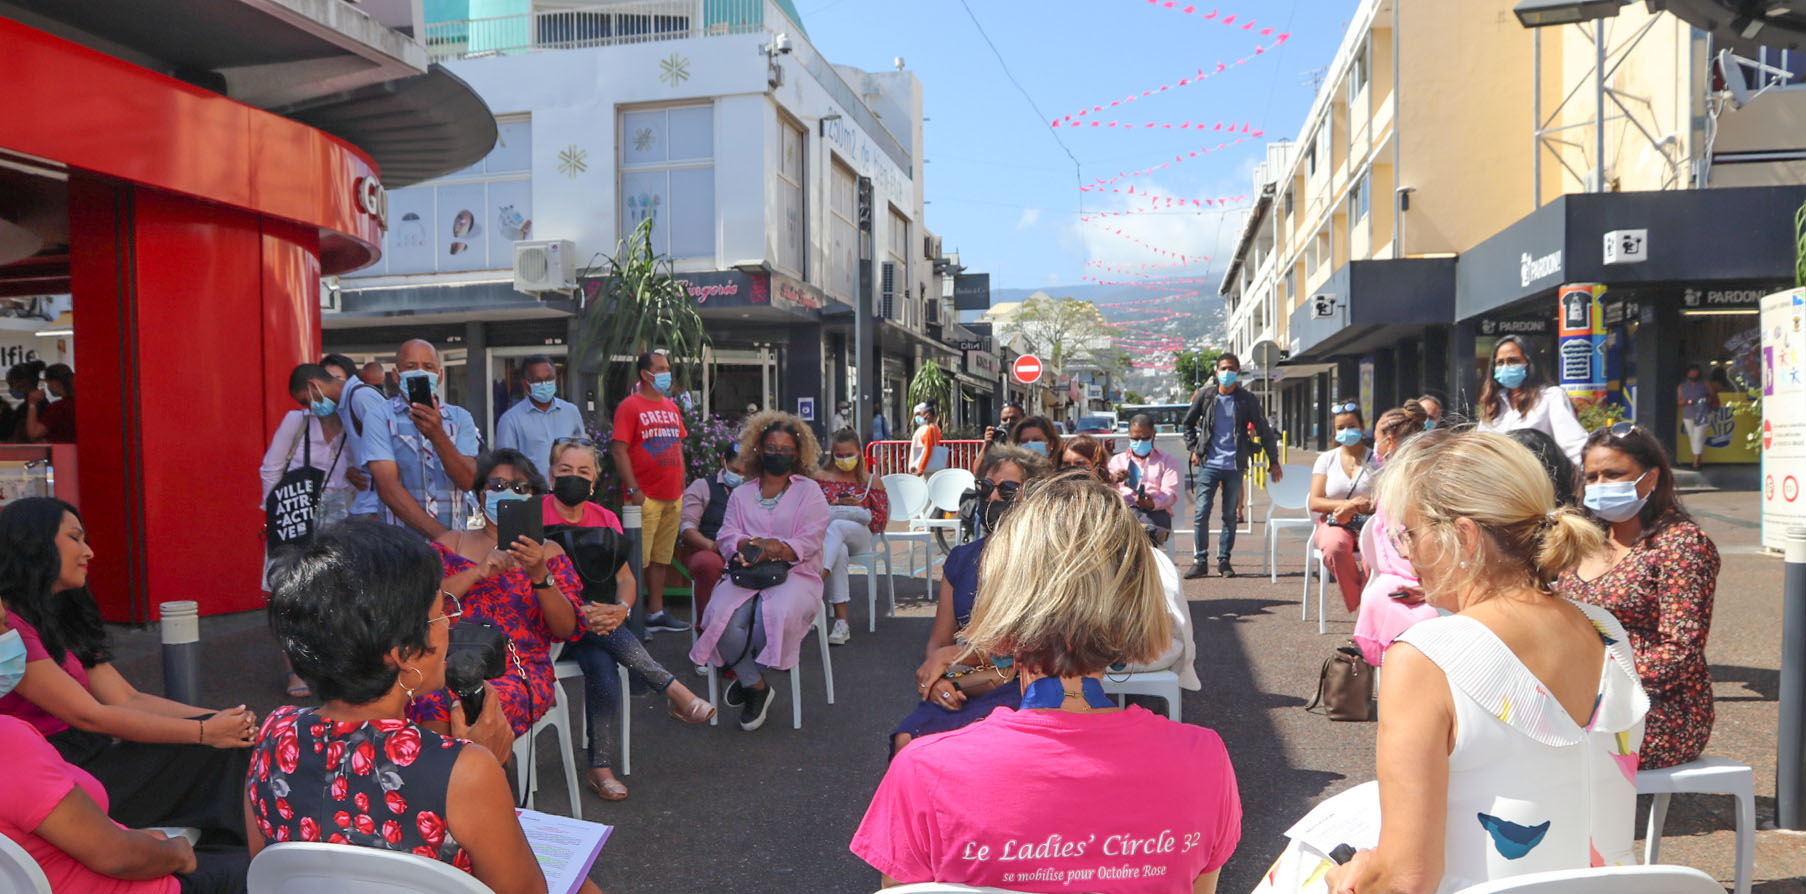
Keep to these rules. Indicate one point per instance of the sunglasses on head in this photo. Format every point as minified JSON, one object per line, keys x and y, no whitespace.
{"x":1349,"y":407}
{"x":522,"y":487}
{"x":581,"y":442}
{"x":1620,"y":429}
{"x":1007,"y":490}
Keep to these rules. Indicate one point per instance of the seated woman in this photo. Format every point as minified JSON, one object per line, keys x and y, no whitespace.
{"x":529,"y":590}
{"x":1069,"y":587}
{"x":164,"y":763}
{"x":1341,"y":493}
{"x":1657,"y":574}
{"x":591,"y":536}
{"x":363,"y":617}
{"x":704,"y":506}
{"x":1509,"y":729}
{"x":860,"y":510}
{"x":1086,"y":454}
{"x":784,"y":519}
{"x":979,"y":685}
{"x":1037,"y":434}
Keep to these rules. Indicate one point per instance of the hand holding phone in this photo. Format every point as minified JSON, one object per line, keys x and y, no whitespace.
{"x":418,"y":391}
{"x":515,"y":519}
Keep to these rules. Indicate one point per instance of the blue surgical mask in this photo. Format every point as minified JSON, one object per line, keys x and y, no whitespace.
{"x":1036,"y":446}
{"x":12,"y":661}
{"x":1228,"y":377}
{"x":1429,"y":424}
{"x":323,"y":407}
{"x":1141,"y":446}
{"x":1511,"y":375}
{"x":1615,"y":501}
{"x":492,"y":503}
{"x":662,"y":381}
{"x":1348,"y":437}
{"x":542,"y":392}
{"x":920,"y":420}
{"x":732,"y":479}
{"x":432,"y":379}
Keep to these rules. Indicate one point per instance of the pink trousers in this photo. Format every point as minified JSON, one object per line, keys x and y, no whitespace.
{"x":1338,"y":546}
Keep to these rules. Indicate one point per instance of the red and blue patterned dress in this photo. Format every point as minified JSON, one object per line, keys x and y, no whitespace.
{"x":377,"y":783}
{"x":507,"y":601}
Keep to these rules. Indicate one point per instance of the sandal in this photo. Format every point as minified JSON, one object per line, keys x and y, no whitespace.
{"x":699,"y":711}
{"x":297,"y":687}
{"x":609,"y":789}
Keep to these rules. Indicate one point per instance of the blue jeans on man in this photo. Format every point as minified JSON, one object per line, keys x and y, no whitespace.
{"x":1209,"y":478}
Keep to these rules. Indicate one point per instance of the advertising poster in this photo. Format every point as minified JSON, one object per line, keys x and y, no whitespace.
{"x":1783,"y":414}
{"x":459,"y":225}
{"x":1580,"y":341}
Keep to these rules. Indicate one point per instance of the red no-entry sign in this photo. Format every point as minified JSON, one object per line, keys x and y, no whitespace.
{"x":1027,"y":369}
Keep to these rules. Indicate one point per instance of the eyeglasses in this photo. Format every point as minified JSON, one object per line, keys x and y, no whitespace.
{"x":1400,"y":537}
{"x":1349,"y":407}
{"x":1005,"y":490}
{"x":519,"y":486}
{"x":457,"y":610}
{"x":581,"y":442}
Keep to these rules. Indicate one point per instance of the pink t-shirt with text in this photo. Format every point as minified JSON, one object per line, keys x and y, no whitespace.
{"x":18,"y":705}
{"x":1126,"y":802}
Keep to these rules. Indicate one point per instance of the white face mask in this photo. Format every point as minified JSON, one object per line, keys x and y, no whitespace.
{"x":1616,"y":501}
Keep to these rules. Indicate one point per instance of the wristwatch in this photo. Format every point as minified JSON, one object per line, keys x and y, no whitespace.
{"x":633,"y":490}
{"x":543,"y":583}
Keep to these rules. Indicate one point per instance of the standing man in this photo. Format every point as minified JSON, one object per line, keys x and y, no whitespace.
{"x":1224,"y":413}
{"x":841,"y":417}
{"x":926,"y":438}
{"x":421,"y":457}
{"x":531,"y":425}
{"x":648,"y":450}
{"x":1006,"y":423}
{"x":880,"y":425}
{"x":1148,"y":480}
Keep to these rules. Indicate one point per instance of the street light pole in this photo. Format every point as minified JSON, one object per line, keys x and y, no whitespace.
{"x":1599,"y":105}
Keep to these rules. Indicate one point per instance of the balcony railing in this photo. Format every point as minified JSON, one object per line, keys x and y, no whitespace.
{"x":601,"y":25}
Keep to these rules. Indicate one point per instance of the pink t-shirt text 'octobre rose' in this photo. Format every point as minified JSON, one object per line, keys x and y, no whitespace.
{"x":1126,"y":802}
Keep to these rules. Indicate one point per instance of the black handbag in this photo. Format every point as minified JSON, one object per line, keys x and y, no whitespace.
{"x":291,"y":511}
{"x":755,"y":572}
{"x":478,"y":652}
{"x":597,"y":553}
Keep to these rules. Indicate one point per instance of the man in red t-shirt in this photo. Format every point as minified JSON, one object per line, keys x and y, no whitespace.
{"x":648,"y":450}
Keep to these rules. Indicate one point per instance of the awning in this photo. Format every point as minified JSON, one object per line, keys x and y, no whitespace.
{"x":1371,"y":304}
{"x":414,"y":128}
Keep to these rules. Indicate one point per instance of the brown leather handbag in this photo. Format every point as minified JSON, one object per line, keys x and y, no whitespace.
{"x":1345,"y":685}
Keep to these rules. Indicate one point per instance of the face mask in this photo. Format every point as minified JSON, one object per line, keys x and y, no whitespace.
{"x":846,"y":463}
{"x":493,"y":501}
{"x":12,"y":661}
{"x":1228,"y":377}
{"x":1348,"y":437}
{"x":542,"y":392}
{"x":1429,"y":424}
{"x":920,"y":420}
{"x":1615,"y":501}
{"x":323,"y":407}
{"x":1511,"y":375}
{"x":1035,"y":447}
{"x":432,"y":379}
{"x":17,"y":394}
{"x":995,"y":510}
{"x":1140,"y":447}
{"x":732,"y":479}
{"x":662,"y":382}
{"x":571,"y":490}
{"x":776,"y":463}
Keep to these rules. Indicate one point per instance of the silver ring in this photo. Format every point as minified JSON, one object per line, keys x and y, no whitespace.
{"x":946,"y":695}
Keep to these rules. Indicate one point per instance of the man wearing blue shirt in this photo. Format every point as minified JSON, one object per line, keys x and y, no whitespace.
{"x":421,"y":458}
{"x":1216,"y":433}
{"x":532,"y":425}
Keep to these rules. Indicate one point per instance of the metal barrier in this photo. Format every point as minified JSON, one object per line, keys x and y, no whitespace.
{"x":892,"y":457}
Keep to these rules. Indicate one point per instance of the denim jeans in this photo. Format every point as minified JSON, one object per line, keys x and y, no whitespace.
{"x":597,"y":656}
{"x":1205,"y":494}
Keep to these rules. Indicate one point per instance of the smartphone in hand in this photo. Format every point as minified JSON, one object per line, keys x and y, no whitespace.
{"x":515,"y":519}
{"x":418,"y":391}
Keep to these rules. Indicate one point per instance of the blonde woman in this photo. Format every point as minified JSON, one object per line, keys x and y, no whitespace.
{"x":1068,"y":782}
{"x":1509,"y":730}
{"x":782,"y":517}
{"x":861,"y":511}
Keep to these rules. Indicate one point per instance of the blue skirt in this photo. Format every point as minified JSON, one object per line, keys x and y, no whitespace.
{"x":929,"y":719}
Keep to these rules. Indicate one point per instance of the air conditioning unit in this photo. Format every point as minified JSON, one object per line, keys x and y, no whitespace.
{"x":931,"y":247}
{"x":548,"y":266}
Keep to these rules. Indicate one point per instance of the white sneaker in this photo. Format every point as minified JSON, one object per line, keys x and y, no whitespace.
{"x":840,"y":634}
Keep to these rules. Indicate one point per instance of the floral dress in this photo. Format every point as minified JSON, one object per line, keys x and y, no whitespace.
{"x":378,"y":783}
{"x":876,"y":501}
{"x":1661,"y":591}
{"x":508,"y":602}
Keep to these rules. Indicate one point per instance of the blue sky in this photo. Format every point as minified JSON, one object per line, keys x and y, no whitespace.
{"x":1005,"y":194}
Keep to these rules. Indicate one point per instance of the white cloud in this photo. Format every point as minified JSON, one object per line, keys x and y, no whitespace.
{"x":1053,"y":279}
{"x":1030,"y":216}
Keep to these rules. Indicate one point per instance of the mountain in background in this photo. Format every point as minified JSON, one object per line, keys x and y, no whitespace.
{"x":1201,"y":321}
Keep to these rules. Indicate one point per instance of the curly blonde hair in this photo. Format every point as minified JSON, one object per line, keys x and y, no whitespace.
{"x":757,"y":426}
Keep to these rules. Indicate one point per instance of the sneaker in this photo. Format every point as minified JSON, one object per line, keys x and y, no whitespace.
{"x":758,"y":704}
{"x":1198,"y":569}
{"x":1224,"y":569}
{"x":735,"y":696}
{"x":840,"y":634}
{"x":664,"y":621}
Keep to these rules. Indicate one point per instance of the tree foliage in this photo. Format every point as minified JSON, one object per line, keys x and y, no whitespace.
{"x":639,"y":305}
{"x":1193,"y":368}
{"x":1060,"y":326}
{"x":930,"y":385}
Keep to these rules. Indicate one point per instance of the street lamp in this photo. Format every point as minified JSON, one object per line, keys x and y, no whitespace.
{"x":1543,"y":13}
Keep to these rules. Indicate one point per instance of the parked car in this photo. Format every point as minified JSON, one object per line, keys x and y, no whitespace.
{"x":1101,"y":427}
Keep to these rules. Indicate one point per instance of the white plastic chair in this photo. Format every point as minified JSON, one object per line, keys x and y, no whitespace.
{"x":1603,"y":880}
{"x":868,"y":563}
{"x":796,"y":674}
{"x":1711,"y":776}
{"x":1290,"y":494}
{"x":558,"y":719}
{"x":1314,"y":555}
{"x":567,"y":668}
{"x":309,"y":867}
{"x":19,"y":873}
{"x":909,"y":502}
{"x":1160,"y":684}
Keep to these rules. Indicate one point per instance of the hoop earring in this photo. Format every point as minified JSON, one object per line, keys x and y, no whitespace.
{"x":419,"y":678}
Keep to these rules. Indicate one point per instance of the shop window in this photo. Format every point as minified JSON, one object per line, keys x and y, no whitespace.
{"x":843,"y":233}
{"x":466,"y":220}
{"x":668,"y":177}
{"x":792,"y":144}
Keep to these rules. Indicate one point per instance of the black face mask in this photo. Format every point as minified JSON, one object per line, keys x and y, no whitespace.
{"x":995,"y":510}
{"x":571,"y":490}
{"x":776,"y":463}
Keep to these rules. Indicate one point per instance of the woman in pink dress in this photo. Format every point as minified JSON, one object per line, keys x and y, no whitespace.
{"x":780,"y":517}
